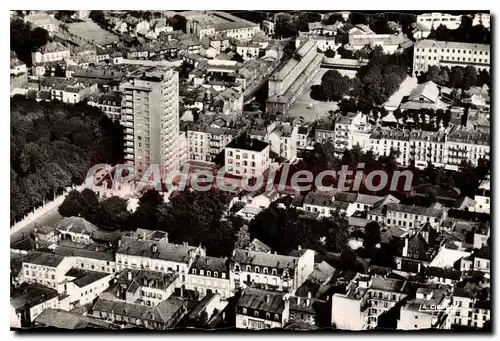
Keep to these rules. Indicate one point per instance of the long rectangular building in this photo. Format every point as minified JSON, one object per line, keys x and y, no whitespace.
{"x":447,"y":53}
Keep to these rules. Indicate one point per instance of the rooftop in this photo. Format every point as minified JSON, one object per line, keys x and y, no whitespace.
{"x":43,"y":258}
{"x":30,"y":295}
{"x":67,"y":320}
{"x":154,"y":249}
{"x":271,"y":260}
{"x":248,"y":144}
{"x":82,"y":277}
{"x":262,"y":300}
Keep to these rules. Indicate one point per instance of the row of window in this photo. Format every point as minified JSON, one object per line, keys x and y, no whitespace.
{"x":480,"y":60}
{"x":453,"y":51}
{"x":208,"y":273}
{"x":256,"y":269}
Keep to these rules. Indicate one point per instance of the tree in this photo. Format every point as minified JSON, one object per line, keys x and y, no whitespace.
{"x":483,"y":78}
{"x":456,"y":77}
{"x":470,"y":77}
{"x":71,"y":206}
{"x":348,"y":258}
{"x":372,"y":235}
{"x":115,"y":213}
{"x":334,"y":86}
{"x":329,"y":53}
{"x":243,"y":236}
{"x":333,"y":18}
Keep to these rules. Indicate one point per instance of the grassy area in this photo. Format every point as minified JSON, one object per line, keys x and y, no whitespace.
{"x":90,"y":31}
{"x":319,"y":109}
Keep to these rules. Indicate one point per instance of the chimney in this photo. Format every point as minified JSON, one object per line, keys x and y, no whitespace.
{"x":206,"y":261}
{"x":308,"y":302}
{"x":298,"y":300}
{"x":299,"y":247}
{"x":119,"y":242}
{"x":144,"y":235}
{"x":309,"y":295}
{"x":129,"y":275}
{"x":267,"y":298}
{"x":154,"y":248}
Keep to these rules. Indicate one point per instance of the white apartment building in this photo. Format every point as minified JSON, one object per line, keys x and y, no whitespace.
{"x":367,"y":297}
{"x":247,"y":157}
{"x":283,"y":141}
{"x":466,"y":145}
{"x":45,"y":268}
{"x":83,"y":286}
{"x":447,"y":53}
{"x":248,"y":50}
{"x":380,"y":143}
{"x":150,"y":116}
{"x":50,"y":52}
{"x":259,"y":309}
{"x":88,"y":258}
{"x":418,"y":313}
{"x":468,"y":311}
{"x":351,"y":130}
{"x":269,"y":271}
{"x":209,"y":275}
{"x":157,"y":255}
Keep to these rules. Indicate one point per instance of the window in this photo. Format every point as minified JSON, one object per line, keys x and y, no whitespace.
{"x":248,"y":268}
{"x":201,"y":272}
{"x":209,"y":273}
{"x":193,"y":271}
{"x":257,"y":270}
{"x":216,"y":274}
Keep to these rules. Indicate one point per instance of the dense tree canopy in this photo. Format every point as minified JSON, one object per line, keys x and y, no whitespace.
{"x":284,"y":229}
{"x":25,"y":39}
{"x":53,"y":146}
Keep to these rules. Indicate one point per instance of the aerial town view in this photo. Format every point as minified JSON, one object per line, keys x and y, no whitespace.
{"x":250,"y":170}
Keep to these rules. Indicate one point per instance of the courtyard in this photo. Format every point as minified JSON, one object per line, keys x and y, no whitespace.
{"x":319,"y":109}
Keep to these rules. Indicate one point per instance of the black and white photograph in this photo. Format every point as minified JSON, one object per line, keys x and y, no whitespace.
{"x":250,"y":170}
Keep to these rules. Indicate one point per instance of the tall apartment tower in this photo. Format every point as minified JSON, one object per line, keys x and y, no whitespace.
{"x":150,"y":108}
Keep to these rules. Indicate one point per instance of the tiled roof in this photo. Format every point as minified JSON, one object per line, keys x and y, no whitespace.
{"x":165,"y":251}
{"x":262,"y":300}
{"x":210,"y":263}
{"x":43,"y":258}
{"x":270,"y":260}
{"x":67,"y":320}
{"x":30,"y":295}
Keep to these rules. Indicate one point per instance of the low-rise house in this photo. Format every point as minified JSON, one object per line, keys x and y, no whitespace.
{"x":259,"y":309}
{"x":28,"y":301}
{"x":73,"y":93}
{"x":109,"y":103}
{"x":248,"y":50}
{"x":163,"y":316}
{"x":52,"y":51}
{"x":83,"y":286}
{"x":61,"y":319}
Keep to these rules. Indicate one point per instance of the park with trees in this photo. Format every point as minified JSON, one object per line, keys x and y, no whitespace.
{"x":52,"y":147}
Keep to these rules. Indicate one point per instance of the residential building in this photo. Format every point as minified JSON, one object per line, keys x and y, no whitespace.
{"x":83,"y":286}
{"x":422,"y":312}
{"x":270,"y":271}
{"x":366,"y":298}
{"x":390,"y":43}
{"x":43,"y":20}
{"x":145,"y":287}
{"x":150,"y":116}
{"x":436,"y":19}
{"x":482,"y":198}
{"x":58,"y":318}
{"x":45,"y":268}
{"x":413,"y":217}
{"x":248,"y":50}
{"x":268,"y":27}
{"x":91,"y":257}
{"x":28,"y":301}
{"x":246,"y":157}
{"x":209,"y":275}
{"x":50,"y":52}
{"x":448,"y":53}
{"x":466,"y":146}
{"x":110,"y":103}
{"x":136,"y":253}
{"x":259,"y":309}
{"x":73,"y":93}
{"x":116,"y":310}
{"x":468,"y":310}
